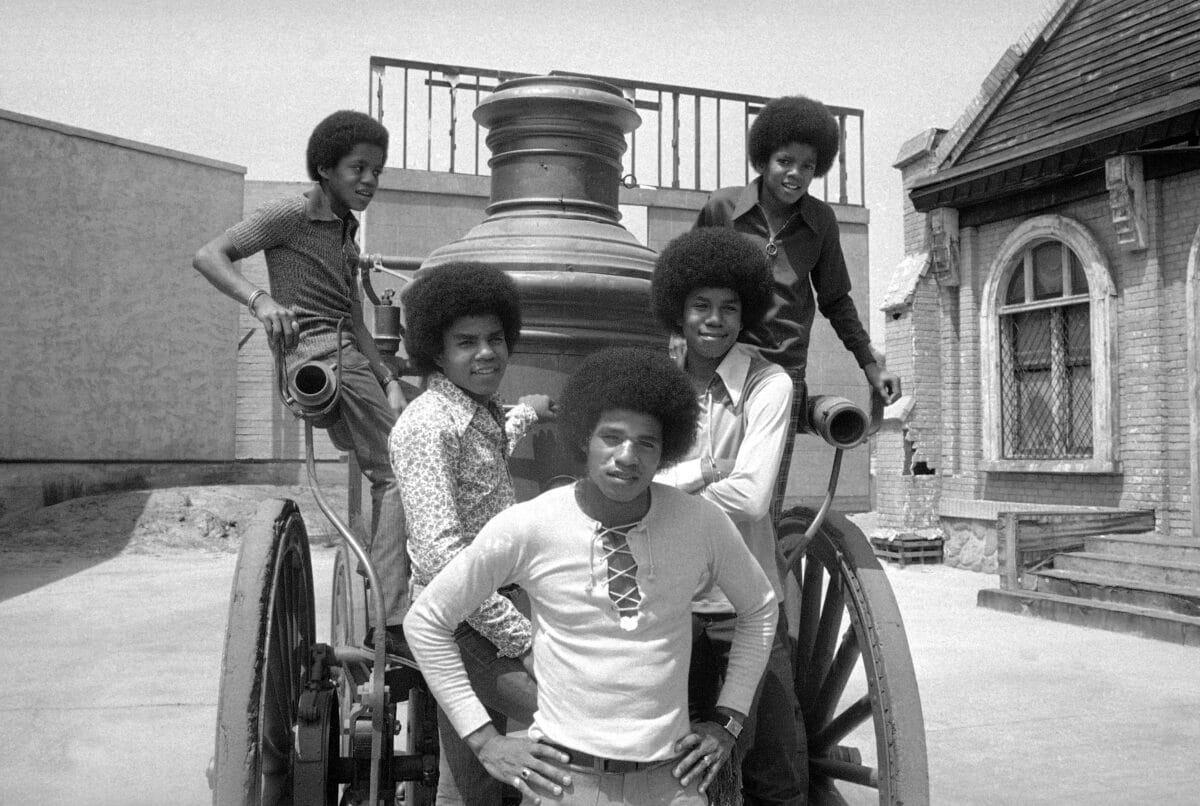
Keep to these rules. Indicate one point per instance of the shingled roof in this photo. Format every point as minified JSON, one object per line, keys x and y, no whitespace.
{"x":1092,"y":79}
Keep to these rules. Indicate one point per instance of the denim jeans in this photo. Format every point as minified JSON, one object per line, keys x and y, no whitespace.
{"x":508,"y":692}
{"x":773,"y":744}
{"x":364,"y":422}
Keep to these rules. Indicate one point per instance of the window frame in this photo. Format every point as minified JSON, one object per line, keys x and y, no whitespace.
{"x":1101,"y":298}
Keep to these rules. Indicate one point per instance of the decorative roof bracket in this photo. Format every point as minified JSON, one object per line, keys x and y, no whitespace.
{"x":943,"y":245}
{"x":1127,"y":200}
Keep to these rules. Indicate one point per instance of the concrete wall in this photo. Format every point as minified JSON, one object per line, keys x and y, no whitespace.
{"x":114,"y":349}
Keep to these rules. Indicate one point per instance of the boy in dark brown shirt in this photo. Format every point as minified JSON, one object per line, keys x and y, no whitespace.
{"x":793,"y":140}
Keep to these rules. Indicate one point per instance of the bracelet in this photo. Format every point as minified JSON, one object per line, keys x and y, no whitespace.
{"x":254,"y":298}
{"x":716,"y":472}
{"x":386,"y":379}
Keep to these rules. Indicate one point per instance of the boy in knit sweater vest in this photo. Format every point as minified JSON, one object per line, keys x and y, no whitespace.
{"x":312,"y":258}
{"x":610,"y":565}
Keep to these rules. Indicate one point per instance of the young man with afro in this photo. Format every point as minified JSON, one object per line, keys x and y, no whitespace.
{"x":610,"y":565}
{"x":793,"y":140}
{"x":708,"y":286}
{"x":449,"y":451}
{"x":312,"y":256}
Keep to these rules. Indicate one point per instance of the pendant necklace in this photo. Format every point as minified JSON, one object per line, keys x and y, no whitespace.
{"x":772,"y":247}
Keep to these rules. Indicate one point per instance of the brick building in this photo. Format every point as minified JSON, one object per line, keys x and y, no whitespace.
{"x":1045,"y":315}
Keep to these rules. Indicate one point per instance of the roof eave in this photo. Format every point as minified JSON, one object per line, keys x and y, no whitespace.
{"x":1074,"y":152}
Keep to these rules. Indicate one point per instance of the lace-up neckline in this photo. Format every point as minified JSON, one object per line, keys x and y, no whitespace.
{"x":622,"y":570}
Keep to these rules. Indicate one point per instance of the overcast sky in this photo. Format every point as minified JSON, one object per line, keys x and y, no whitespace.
{"x":245,"y":81}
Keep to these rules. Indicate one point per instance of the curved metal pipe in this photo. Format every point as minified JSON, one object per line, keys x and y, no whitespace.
{"x":843,"y":425}
{"x":380,"y":658}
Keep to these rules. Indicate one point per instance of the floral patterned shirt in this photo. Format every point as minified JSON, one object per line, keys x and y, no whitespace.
{"x":450,"y":457}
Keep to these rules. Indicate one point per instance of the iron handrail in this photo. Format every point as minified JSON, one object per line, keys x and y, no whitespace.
{"x":674,"y":159}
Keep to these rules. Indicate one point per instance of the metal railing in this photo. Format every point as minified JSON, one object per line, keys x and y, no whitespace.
{"x":690,"y":138}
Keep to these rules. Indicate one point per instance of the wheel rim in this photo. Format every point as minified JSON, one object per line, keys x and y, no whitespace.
{"x":285,"y":667}
{"x":853,"y":672}
{"x":347,"y":626}
{"x":269,"y":636}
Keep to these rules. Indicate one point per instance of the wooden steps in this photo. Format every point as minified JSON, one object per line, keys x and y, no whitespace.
{"x":1135,"y":583}
{"x":1144,"y":621}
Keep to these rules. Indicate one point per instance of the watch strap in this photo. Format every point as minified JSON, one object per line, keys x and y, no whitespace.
{"x":731,"y":724}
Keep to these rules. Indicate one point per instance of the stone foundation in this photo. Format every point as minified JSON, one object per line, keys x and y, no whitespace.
{"x":970,"y":543}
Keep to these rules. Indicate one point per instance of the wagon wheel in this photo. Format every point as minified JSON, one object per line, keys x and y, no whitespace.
{"x":853,"y":671}
{"x":348,"y":613}
{"x":268,"y":638}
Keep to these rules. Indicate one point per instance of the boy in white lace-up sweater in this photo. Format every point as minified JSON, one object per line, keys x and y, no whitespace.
{"x":610,"y":565}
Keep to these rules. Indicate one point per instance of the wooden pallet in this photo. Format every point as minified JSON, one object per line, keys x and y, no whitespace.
{"x":921,"y":551}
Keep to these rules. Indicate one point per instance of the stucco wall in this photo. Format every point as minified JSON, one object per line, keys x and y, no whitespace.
{"x":114,"y":348}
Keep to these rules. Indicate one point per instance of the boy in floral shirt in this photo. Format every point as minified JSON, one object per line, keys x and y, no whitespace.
{"x":449,"y":451}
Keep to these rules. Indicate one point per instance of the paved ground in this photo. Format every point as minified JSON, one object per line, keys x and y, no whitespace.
{"x":111,"y":666}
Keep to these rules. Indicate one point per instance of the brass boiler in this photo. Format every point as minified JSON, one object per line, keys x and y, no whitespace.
{"x":554,"y":226}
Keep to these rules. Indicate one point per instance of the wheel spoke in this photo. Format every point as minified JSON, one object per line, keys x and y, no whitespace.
{"x":837,"y":677}
{"x":847,"y":771}
{"x":840,"y":726}
{"x":810,"y":600}
{"x":823,"y":650}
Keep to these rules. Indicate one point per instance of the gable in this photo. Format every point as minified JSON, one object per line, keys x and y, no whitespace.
{"x":1106,"y":57}
{"x":1096,"y":79}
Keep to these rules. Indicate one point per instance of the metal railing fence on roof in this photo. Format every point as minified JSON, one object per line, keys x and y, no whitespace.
{"x":690,"y":138}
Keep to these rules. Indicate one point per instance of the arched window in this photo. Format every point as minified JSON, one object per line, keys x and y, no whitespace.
{"x":1047,"y":332}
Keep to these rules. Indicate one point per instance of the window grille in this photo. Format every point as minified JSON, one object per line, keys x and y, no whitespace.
{"x":1045,"y":357}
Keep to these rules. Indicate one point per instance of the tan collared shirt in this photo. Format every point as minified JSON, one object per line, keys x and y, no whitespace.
{"x":744,"y":417}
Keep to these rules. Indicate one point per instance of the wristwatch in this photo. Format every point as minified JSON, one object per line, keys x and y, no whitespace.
{"x":387,"y":378}
{"x":731,"y":724}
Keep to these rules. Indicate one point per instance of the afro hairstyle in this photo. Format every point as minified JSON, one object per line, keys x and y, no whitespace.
{"x":439,"y":297}
{"x":711,"y":257}
{"x":633,"y":378}
{"x":337,"y":135}
{"x":793,"y":119}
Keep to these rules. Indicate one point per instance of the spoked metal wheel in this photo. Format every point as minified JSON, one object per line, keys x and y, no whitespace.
{"x":347,"y":627}
{"x":853,"y":671}
{"x":348,"y":614}
{"x":268,"y":641}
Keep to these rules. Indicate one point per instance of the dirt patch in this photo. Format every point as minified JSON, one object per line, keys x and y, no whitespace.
{"x":156,"y":521}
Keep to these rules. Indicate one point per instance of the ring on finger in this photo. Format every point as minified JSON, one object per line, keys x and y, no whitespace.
{"x":525,"y":773}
